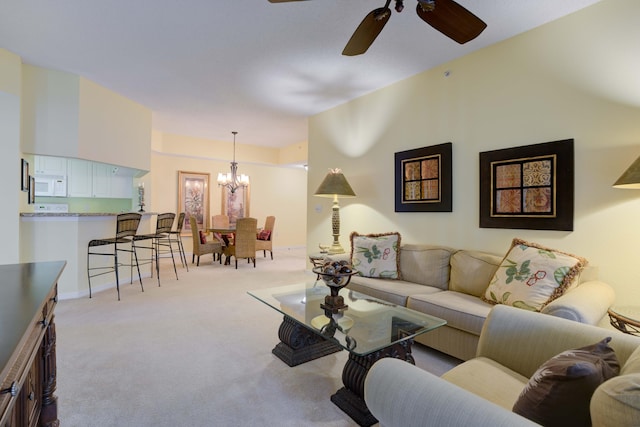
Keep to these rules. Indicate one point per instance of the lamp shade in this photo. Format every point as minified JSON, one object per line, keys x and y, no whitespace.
{"x":631,"y":177}
{"x":335,"y":184}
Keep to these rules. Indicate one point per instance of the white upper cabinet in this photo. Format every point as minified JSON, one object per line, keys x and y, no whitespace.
{"x":79,"y":178}
{"x":90,"y":179}
{"x":101,"y":180}
{"x":48,"y":165}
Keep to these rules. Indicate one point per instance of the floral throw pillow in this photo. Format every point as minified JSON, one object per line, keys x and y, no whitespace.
{"x":376,"y":255}
{"x":531,"y":276}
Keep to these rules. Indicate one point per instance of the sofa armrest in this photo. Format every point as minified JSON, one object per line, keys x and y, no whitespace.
{"x":399,"y":394}
{"x":586,"y":303}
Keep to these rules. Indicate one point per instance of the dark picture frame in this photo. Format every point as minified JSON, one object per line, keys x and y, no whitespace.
{"x":32,"y":190}
{"x":24,"y":180}
{"x":528,"y":187}
{"x":423,"y":179}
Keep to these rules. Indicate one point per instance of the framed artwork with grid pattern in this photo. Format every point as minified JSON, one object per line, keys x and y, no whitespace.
{"x":528,"y":187}
{"x":423,"y":179}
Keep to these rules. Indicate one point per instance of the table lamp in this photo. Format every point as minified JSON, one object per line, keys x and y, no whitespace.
{"x":631,"y":177}
{"x":335,"y":185}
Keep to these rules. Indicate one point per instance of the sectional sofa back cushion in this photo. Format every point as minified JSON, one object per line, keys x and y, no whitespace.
{"x":471,"y":271}
{"x":426,"y":265}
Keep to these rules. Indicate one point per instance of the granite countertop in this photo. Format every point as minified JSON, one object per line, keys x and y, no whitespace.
{"x":75,"y":214}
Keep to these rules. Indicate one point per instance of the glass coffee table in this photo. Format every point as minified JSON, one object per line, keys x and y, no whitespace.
{"x":369,"y":329}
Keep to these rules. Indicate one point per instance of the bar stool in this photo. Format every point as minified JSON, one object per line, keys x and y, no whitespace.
{"x":159,"y":240}
{"x":177,"y":233}
{"x":126,"y":227}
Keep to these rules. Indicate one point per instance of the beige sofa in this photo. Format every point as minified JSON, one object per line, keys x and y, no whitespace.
{"x":483,"y":390}
{"x":448,"y":283}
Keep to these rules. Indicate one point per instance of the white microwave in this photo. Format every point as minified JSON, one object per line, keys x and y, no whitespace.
{"x":51,"y":185}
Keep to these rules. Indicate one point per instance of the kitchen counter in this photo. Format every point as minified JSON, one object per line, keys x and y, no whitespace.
{"x":76,"y":214}
{"x":51,"y":236}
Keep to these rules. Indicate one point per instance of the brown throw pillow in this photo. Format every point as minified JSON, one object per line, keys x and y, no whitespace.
{"x":264,"y":234}
{"x":559,"y":392}
{"x":203,"y":238}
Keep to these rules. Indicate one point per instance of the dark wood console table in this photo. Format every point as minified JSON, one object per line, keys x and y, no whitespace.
{"x":28,"y":296}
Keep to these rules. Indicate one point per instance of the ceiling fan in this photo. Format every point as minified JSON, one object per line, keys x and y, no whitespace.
{"x":446,"y":16}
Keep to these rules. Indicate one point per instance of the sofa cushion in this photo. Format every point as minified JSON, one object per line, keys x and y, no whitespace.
{"x":426,"y":264}
{"x":559,"y":392}
{"x":471,"y":271}
{"x":461,"y":311}
{"x":616,"y":402}
{"x":393,"y":291}
{"x":376,"y":255}
{"x":531,"y":276}
{"x":488,"y":379}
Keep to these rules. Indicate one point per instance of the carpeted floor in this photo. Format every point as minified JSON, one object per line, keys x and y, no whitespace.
{"x":195,"y":352}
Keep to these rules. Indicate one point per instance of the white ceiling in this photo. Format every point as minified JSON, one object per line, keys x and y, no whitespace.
{"x":207,"y":67}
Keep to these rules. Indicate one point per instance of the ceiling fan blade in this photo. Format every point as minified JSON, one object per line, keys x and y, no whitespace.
{"x":283,"y":1}
{"x":451,"y":19}
{"x":367,"y":31}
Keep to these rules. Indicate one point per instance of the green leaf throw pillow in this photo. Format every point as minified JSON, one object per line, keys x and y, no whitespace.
{"x":376,"y":255}
{"x":531,"y":276}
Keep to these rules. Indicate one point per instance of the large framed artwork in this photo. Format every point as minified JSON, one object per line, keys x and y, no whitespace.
{"x":528,"y":187}
{"x":423,"y":179}
{"x":235,"y":205}
{"x":193,"y":198}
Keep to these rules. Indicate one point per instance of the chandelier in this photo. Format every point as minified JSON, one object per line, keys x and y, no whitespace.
{"x":232,"y":180}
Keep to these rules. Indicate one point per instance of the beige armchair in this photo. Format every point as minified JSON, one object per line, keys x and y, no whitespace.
{"x":482,"y":391}
{"x":244,"y":245}
{"x":267,"y":245}
{"x":200,"y":249}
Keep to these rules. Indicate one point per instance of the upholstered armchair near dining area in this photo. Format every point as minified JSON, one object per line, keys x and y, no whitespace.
{"x":201,"y":247}
{"x":264,"y":241}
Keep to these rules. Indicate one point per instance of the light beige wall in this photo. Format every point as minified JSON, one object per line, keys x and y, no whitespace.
{"x":223,"y":150}
{"x":50,"y":112}
{"x":275,"y":190}
{"x":69,"y":116}
{"x":112,"y":129}
{"x":13,"y":198}
{"x":558,"y":81}
{"x":294,"y":154}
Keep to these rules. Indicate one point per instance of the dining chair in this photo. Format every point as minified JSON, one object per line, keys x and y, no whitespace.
{"x":126,"y":227}
{"x":264,"y":241}
{"x":244,"y":245}
{"x":177,"y":235}
{"x":200,"y":245}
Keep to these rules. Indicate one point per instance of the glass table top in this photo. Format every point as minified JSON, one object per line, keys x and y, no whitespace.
{"x":367,"y":325}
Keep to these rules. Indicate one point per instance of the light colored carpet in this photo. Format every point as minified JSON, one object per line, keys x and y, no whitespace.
{"x":195,"y":352}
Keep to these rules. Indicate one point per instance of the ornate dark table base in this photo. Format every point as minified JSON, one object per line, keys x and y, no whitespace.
{"x":350,"y":398}
{"x":300,"y":345}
